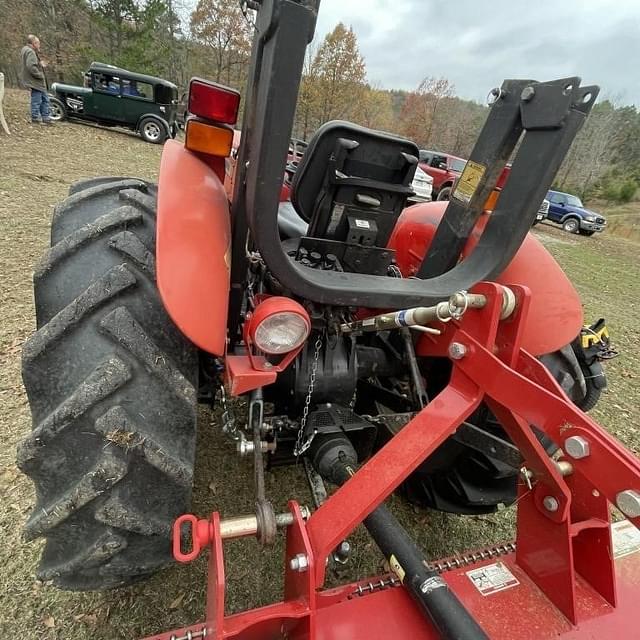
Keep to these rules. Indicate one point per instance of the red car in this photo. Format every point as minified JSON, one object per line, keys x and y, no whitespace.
{"x":445,"y":169}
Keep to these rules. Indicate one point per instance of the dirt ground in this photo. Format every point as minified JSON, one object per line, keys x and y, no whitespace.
{"x":37,"y":165}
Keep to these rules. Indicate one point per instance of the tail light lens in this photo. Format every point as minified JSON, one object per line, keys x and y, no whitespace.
{"x":279,"y":325}
{"x":214,"y":140}
{"x":213,"y":101}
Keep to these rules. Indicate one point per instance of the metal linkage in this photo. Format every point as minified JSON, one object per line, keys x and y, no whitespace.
{"x":417,"y":317}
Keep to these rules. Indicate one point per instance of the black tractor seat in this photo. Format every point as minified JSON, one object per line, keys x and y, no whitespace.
{"x":290,"y":224}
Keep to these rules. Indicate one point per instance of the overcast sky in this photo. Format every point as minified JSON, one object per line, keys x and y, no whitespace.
{"x":476,"y":44}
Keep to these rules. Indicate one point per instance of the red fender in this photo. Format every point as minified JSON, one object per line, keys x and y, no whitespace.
{"x":193,"y":247}
{"x":555,"y":316}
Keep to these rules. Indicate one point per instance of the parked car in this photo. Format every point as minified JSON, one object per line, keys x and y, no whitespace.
{"x":567,"y":210}
{"x":183,"y":110}
{"x":543,"y":212}
{"x":423,"y":186}
{"x":445,"y":169}
{"x":116,"y":97}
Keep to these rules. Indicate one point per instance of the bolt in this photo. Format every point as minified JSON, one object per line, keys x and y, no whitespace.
{"x":267,"y":365}
{"x":245,"y":447}
{"x":629,"y":503}
{"x":528,"y":93}
{"x":342,"y":552}
{"x":299,"y":563}
{"x":577,"y":447}
{"x":494,"y":95}
{"x":550,"y":503}
{"x":457,"y":351}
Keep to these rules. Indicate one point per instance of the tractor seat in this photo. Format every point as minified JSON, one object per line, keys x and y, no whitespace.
{"x":290,"y":224}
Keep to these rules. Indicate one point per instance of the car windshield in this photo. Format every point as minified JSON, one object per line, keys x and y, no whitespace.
{"x":457,"y":165}
{"x":574,"y":201}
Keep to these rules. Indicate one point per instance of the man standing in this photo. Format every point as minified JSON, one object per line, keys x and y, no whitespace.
{"x":33,"y":78}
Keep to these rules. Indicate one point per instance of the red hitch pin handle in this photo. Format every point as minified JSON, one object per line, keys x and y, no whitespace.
{"x":201,"y":535}
{"x":230,"y":528}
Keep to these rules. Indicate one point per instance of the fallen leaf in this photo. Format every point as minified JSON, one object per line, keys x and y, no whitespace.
{"x":177,"y":602}
{"x":49,"y":622}
{"x":213,"y":488}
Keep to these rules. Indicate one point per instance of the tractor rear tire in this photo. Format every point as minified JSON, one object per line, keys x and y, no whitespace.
{"x":111,"y":384}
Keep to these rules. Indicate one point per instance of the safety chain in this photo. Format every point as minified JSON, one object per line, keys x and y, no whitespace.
{"x":441,"y":567}
{"x":191,"y":635}
{"x":229,"y":423}
{"x":378,"y":585}
{"x":301,"y":446}
{"x":464,"y":560}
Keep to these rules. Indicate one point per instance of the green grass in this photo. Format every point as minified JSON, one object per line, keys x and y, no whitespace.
{"x":36,"y":168}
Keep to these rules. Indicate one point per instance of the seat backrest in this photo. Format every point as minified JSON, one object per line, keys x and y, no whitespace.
{"x":353,"y":183}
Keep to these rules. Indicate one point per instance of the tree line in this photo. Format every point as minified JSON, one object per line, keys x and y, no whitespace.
{"x":178,"y":39}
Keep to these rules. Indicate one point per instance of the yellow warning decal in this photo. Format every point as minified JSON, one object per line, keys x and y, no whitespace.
{"x":396,"y":568}
{"x":469,"y":181}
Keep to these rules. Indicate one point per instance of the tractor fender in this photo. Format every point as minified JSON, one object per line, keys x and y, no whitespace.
{"x":555,"y":314}
{"x":160,"y":119}
{"x":193,"y":247}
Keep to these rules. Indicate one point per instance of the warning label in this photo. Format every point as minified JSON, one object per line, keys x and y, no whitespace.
{"x":626,"y":538}
{"x":469,"y":181}
{"x":492,"y":578}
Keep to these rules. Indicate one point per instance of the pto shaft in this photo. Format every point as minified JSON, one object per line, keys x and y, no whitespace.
{"x":335,"y":460}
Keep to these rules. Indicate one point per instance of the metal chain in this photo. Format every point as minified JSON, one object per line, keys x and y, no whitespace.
{"x":191,"y":635}
{"x":471,"y":558}
{"x":229,"y":423}
{"x":301,"y":446}
{"x":441,"y":567}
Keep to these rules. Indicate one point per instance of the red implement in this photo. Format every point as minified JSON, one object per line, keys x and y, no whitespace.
{"x":566,"y":578}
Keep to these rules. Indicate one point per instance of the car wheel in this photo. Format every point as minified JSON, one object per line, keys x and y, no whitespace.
{"x":57,"y":110}
{"x":571,"y":225}
{"x":444,"y":193}
{"x":152,"y":130}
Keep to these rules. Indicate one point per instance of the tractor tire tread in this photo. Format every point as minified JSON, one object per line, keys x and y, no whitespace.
{"x":112,"y":388}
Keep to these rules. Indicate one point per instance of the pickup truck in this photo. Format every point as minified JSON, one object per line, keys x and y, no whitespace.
{"x":445,"y":169}
{"x":568,"y":211}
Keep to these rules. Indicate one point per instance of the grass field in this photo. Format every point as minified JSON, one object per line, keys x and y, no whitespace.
{"x":37,"y":165}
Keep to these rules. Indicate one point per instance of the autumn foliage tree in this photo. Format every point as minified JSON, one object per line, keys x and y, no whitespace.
{"x":221,"y":26}
{"x":421,"y":106}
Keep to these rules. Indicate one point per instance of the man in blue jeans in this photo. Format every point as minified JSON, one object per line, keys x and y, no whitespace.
{"x":33,"y":78}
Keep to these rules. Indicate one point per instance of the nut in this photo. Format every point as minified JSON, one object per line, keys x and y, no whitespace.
{"x":299,"y":562}
{"x":342,"y":552}
{"x":577,"y":447}
{"x":629,"y":503}
{"x":457,"y":351}
{"x":528,"y":93}
{"x":550,"y":503}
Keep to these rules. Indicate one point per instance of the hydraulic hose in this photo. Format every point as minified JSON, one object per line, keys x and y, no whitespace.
{"x":335,"y":459}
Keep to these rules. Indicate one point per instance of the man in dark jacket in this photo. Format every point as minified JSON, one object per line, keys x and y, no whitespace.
{"x":33,"y":78}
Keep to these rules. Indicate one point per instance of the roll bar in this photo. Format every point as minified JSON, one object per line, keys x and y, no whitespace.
{"x":544,"y":117}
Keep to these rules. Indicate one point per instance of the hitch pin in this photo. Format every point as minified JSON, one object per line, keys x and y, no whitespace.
{"x":564,"y":467}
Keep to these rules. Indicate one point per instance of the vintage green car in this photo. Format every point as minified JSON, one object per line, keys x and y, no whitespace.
{"x":116,"y":97}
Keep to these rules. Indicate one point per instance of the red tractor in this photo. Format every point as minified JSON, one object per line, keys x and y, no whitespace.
{"x":389,"y":348}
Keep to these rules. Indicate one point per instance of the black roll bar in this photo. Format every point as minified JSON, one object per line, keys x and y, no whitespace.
{"x":543,"y":117}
